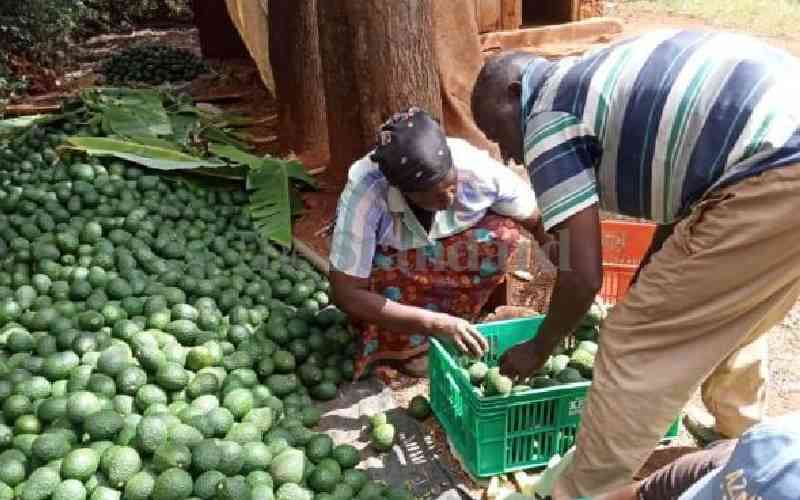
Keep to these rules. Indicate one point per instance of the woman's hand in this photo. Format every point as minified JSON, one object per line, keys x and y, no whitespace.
{"x":354,"y":297}
{"x":525,"y":359}
{"x":462,"y":333}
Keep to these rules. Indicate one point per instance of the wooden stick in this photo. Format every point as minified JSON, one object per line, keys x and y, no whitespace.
{"x":317,"y":171}
{"x":264,"y":140}
{"x":266,"y":119}
{"x":31,"y":109}
{"x":309,"y":253}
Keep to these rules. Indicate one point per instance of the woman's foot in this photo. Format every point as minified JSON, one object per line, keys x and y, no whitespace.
{"x":416,"y":367}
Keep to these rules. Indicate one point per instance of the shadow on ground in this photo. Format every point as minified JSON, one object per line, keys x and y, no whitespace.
{"x":414,"y":460}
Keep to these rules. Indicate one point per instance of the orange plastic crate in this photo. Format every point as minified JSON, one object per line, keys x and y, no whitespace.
{"x":624,"y":247}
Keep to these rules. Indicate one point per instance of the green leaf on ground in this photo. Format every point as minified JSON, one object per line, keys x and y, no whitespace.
{"x":294,"y":168}
{"x":183,"y":126}
{"x":270,"y":206}
{"x":216,"y":134}
{"x":151,"y":156}
{"x":11,"y":126}
{"x":130,"y":112}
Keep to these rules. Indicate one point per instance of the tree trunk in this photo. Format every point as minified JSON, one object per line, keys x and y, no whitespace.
{"x":341,"y":91}
{"x":512,"y":14}
{"x":395,"y":61}
{"x":219,"y":38}
{"x":295,"y":57}
{"x":458,"y":51}
{"x":378,"y":58}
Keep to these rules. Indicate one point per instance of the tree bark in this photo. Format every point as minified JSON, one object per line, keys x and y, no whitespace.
{"x":341,"y":91}
{"x":458,"y":51}
{"x":378,"y":58}
{"x":295,"y":58}
{"x":512,"y":14}
{"x":219,"y":38}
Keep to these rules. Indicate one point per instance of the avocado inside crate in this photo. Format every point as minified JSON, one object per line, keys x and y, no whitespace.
{"x":501,"y":434}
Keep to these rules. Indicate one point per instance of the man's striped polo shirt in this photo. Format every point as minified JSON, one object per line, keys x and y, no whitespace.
{"x":648,"y":126}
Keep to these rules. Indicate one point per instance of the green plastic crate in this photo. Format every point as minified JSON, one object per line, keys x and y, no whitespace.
{"x":501,"y":434}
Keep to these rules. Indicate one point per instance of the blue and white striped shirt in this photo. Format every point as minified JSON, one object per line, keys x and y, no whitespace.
{"x":649,"y":125}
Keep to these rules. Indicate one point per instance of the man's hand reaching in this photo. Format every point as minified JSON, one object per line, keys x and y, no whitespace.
{"x":525,"y":359}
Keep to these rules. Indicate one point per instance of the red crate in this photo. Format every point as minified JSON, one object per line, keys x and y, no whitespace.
{"x":624,"y":246}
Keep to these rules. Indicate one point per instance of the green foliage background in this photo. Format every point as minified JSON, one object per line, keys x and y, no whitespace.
{"x":41,"y":31}
{"x":102,"y":16}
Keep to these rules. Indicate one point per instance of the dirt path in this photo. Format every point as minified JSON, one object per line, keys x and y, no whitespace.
{"x":641,"y":19}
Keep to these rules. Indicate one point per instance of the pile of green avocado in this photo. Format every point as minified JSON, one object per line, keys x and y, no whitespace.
{"x":153,"y":64}
{"x":153,"y":346}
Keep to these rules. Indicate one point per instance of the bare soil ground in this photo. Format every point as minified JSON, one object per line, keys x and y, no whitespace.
{"x":640,"y":18}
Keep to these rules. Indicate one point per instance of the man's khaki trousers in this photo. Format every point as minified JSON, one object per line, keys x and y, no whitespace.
{"x":736,"y":392}
{"x":730,"y":271}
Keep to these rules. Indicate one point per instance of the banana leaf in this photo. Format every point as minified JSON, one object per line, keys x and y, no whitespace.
{"x":184,"y":124}
{"x":20,"y":122}
{"x":129,"y":112}
{"x":234,"y":154}
{"x":140,"y":120}
{"x":215,"y":134}
{"x":296,"y":200}
{"x":151,"y":156}
{"x":13,"y":126}
{"x":294,"y":169}
{"x":130,"y":118}
{"x":156,"y":142}
{"x":270,"y":205}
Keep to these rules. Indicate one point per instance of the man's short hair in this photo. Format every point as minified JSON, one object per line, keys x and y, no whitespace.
{"x":499,"y":70}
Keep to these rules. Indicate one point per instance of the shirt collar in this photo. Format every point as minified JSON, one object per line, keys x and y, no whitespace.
{"x":401,"y":211}
{"x":533,"y":79}
{"x":396,"y":201}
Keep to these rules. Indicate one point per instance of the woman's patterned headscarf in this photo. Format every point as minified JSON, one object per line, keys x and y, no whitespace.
{"x":412,"y":151}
